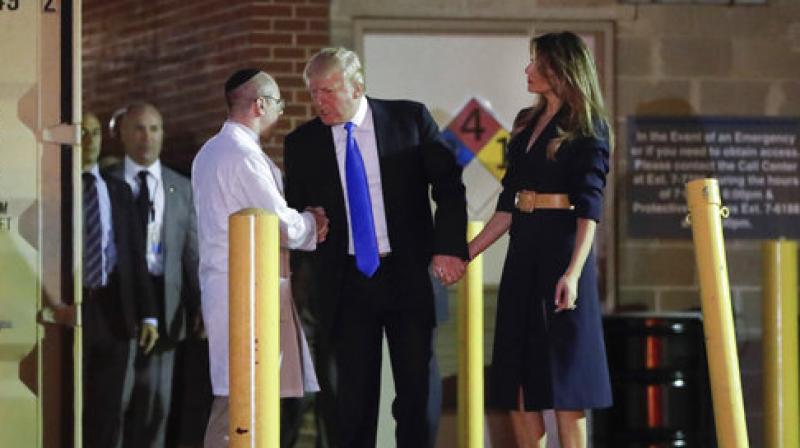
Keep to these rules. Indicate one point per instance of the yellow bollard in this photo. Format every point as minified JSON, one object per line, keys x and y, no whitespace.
{"x":470,"y":350}
{"x":780,"y":344}
{"x":723,"y":362}
{"x":254,"y":419}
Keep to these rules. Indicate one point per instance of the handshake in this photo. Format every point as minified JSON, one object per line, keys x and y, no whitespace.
{"x":322,"y":222}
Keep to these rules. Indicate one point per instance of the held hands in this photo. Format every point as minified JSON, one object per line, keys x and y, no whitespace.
{"x":448,"y":269}
{"x":148,"y":337}
{"x":566,"y":292}
{"x":322,"y":222}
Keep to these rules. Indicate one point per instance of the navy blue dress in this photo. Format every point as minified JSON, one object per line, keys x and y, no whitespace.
{"x":559,"y":359}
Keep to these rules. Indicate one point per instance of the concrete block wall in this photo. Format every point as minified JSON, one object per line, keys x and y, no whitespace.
{"x":702,"y":60}
{"x":177,"y":55}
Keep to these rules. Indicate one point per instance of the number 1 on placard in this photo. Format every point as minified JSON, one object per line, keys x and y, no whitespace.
{"x":503,"y":141}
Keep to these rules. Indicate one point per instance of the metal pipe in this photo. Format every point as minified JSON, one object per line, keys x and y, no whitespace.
{"x":470,"y":350}
{"x":253,"y":323}
{"x":780,"y":344}
{"x":705,"y":211}
{"x":77,"y":224}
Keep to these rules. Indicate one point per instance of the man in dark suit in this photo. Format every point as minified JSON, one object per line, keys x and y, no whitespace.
{"x":117,"y":297}
{"x":164,"y":200}
{"x":371,"y":164}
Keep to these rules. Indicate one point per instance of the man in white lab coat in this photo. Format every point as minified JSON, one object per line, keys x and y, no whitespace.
{"x":230,"y":173}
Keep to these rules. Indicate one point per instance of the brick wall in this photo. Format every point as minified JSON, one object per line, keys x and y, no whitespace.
{"x":177,"y":55}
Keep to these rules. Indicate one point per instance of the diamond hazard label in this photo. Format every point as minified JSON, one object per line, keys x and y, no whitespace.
{"x":474,"y":126}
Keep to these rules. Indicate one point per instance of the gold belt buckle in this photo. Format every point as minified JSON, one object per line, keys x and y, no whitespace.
{"x":525,"y":201}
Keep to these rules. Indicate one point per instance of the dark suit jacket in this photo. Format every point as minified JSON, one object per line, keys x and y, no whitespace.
{"x":179,"y":239}
{"x":129,"y":280}
{"x":414,"y":160}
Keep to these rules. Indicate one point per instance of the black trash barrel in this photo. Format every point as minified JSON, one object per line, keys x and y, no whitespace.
{"x":659,"y":378}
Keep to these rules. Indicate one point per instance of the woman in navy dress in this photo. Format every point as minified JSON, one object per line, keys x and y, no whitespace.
{"x":548,"y":348}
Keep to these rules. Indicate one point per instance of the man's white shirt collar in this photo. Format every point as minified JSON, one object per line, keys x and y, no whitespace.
{"x":361,"y":119}
{"x":249,"y":132}
{"x":94,"y":170}
{"x":132,"y":168}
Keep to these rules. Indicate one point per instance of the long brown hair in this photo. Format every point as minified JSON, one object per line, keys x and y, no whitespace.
{"x":569,"y":68}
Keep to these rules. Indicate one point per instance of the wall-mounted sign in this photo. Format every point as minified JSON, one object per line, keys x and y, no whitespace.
{"x":755,"y":159}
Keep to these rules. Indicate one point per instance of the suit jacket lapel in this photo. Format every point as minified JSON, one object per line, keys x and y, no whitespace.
{"x":328,"y":163}
{"x":168,"y":225}
{"x":116,"y":172}
{"x":381,"y":123}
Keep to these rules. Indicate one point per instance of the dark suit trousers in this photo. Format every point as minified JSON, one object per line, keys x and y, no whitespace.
{"x":370,"y":307}
{"x":148,"y":390}
{"x":105,"y":357}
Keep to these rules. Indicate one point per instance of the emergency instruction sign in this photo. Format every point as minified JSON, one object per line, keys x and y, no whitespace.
{"x":756,"y":161}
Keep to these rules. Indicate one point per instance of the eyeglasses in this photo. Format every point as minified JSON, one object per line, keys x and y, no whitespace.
{"x":278,"y":101}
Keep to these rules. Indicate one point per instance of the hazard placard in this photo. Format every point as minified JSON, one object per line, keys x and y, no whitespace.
{"x":474,"y":126}
{"x":476,"y":134}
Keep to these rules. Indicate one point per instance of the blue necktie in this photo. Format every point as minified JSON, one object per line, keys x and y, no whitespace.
{"x":362,"y":225}
{"x":93,"y":234}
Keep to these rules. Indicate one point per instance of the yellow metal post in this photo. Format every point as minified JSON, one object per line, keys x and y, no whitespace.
{"x":780,"y":344}
{"x":254,"y":418}
{"x":470,"y":350}
{"x":705,"y":208}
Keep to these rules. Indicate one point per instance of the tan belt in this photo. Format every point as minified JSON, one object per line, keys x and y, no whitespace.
{"x":527,"y":201}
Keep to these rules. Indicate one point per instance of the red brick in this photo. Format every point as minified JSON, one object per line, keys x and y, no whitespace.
{"x":319,"y":25}
{"x":287,"y":81}
{"x":305,"y":12}
{"x":288,"y":52}
{"x":260,"y":24}
{"x":312,"y":39}
{"x":290,"y":25}
{"x":272,"y":11}
{"x":270,"y":39}
{"x":299,"y":66}
{"x":276,"y":67}
{"x":296,"y":110}
{"x":302,"y":96}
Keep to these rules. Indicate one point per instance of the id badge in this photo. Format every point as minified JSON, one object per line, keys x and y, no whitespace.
{"x":154,"y":247}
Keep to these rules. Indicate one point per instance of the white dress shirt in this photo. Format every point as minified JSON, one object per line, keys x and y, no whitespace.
{"x":109,"y":251}
{"x":364,"y":132}
{"x":154,"y":250}
{"x":231,"y":173}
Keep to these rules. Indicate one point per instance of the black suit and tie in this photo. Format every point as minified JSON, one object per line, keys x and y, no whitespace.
{"x":351,"y":309}
{"x":113,"y":306}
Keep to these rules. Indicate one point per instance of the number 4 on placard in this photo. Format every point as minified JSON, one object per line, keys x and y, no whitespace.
{"x":472,"y":124}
